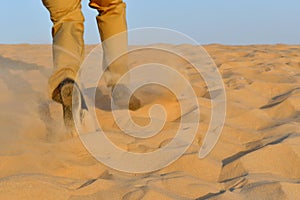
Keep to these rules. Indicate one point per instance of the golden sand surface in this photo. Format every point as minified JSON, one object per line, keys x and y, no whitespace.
{"x":257,"y":156}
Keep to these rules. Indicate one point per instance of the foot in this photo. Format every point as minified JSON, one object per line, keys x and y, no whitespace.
{"x":69,"y":95}
{"x":120,"y":94}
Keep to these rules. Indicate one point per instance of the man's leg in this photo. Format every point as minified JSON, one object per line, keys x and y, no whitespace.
{"x":68,"y":51}
{"x":68,"y":45}
{"x":113,"y":31}
{"x":112,"y":28}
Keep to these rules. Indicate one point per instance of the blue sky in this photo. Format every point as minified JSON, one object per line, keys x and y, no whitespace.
{"x":207,"y":21}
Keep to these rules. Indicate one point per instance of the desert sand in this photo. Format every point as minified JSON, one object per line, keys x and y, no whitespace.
{"x":257,"y":156}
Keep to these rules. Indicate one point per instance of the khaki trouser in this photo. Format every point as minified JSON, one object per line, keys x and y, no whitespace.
{"x":67,"y":33}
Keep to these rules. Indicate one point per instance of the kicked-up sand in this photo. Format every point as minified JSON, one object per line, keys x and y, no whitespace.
{"x":256,"y":157}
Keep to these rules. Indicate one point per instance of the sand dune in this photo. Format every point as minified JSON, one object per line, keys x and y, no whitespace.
{"x":257,"y":156}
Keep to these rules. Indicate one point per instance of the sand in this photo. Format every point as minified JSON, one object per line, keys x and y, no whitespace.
{"x":257,"y":156}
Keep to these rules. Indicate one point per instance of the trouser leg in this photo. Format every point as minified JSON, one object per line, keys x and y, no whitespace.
{"x":68,"y":44}
{"x":112,"y":27}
